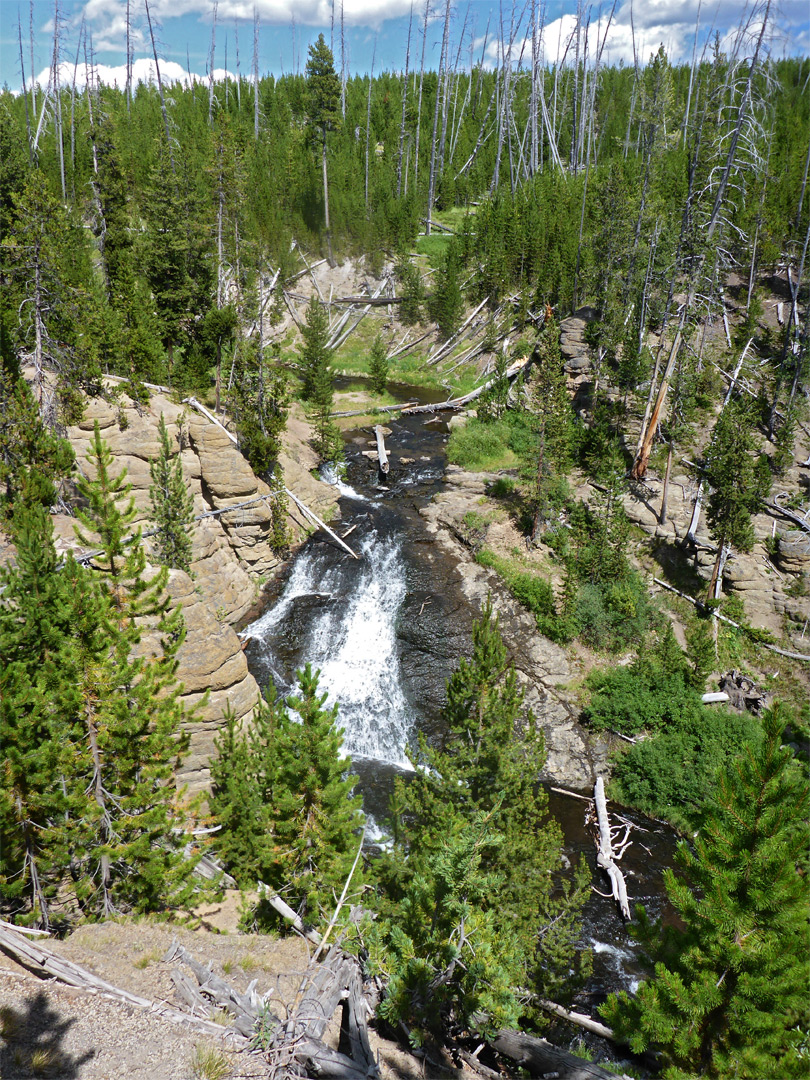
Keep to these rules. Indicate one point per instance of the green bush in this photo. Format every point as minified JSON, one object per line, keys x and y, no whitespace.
{"x":672,"y":775}
{"x":531,"y":590}
{"x":625,"y":701}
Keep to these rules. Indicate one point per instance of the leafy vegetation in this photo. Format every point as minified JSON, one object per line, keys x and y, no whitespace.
{"x":726,"y":998}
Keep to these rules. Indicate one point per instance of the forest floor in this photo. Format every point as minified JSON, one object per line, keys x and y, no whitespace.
{"x":53,"y":1031}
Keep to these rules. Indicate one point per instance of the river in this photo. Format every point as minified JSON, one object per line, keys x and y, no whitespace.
{"x":386,"y":631}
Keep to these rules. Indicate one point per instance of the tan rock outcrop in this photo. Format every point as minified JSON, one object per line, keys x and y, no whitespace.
{"x":231,"y":553}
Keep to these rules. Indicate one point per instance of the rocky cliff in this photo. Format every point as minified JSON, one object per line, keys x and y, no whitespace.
{"x":232,"y":557}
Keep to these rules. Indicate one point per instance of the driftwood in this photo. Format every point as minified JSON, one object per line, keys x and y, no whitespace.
{"x":296,"y":1048}
{"x":369,"y":301}
{"x":382,"y":453}
{"x":309,"y":513}
{"x":211,"y":992}
{"x":580,"y":1019}
{"x":42,"y":961}
{"x":724,"y":618}
{"x":540,"y":1058}
{"x":606,"y":857}
{"x":321,"y":524}
{"x":376,"y":409}
{"x":454,"y":404}
{"x":287,"y":913}
{"x":801,"y":522}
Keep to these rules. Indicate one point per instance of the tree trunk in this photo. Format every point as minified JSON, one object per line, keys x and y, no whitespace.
{"x":662,"y":516}
{"x":382,"y":455}
{"x":540,"y":1058}
{"x":404,"y":105}
{"x":606,"y":857}
{"x":326,"y":202}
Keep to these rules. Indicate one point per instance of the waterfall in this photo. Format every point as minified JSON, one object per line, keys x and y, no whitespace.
{"x":350,"y":636}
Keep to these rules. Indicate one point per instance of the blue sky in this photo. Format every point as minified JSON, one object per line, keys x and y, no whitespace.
{"x":373,"y":28}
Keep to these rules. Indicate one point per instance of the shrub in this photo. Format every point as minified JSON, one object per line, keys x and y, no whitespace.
{"x":673,"y":774}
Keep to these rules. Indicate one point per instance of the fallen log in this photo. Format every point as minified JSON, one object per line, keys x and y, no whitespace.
{"x":321,"y":524}
{"x":580,"y":1019}
{"x":369,"y":301}
{"x":454,"y":404}
{"x":724,"y":618}
{"x":287,"y":913}
{"x":212,"y":992}
{"x":382,"y":454}
{"x":606,"y":857}
{"x":42,"y":961}
{"x":375,"y":409}
{"x":540,"y":1058}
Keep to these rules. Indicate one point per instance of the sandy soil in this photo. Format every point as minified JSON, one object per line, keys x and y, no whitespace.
{"x":50,"y":1030}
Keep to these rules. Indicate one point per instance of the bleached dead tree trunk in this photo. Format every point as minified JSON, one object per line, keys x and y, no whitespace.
{"x":419,"y":102}
{"x":433,"y":147}
{"x":211,"y":62}
{"x":404,"y":105}
{"x":256,"y":74}
{"x":606,"y":857}
{"x":25,"y":93}
{"x":164,"y":114}
{"x":639,"y":468}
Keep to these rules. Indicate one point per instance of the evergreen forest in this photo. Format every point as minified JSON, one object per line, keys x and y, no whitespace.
{"x":601,"y":272}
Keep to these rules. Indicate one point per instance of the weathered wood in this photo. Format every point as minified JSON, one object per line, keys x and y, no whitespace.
{"x":540,"y":1058}
{"x":454,"y":404}
{"x":724,"y":618}
{"x":297,"y":1041}
{"x":580,"y":1019}
{"x":321,"y":524}
{"x":375,"y":409}
{"x":382,"y":454}
{"x":286,"y":912}
{"x":42,"y":961}
{"x":369,"y":301}
{"x":606,"y":857}
{"x":213,"y":991}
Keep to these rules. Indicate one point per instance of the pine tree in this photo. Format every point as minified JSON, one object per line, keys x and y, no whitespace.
{"x":446,"y":962}
{"x":33,"y":459}
{"x":736,"y":483}
{"x":172,"y":506}
{"x":323,"y":101}
{"x":285,"y":800}
{"x":447,"y":302}
{"x":318,"y":388}
{"x":728,"y":997}
{"x":315,"y":355}
{"x":378,"y":365}
{"x":35,"y":750}
{"x":551,"y":421}
{"x":484,"y":765}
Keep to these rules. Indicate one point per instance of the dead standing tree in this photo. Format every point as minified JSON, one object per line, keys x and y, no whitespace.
{"x":716,"y":218}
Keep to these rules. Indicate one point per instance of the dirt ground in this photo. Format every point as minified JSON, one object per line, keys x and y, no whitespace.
{"x":53,"y":1031}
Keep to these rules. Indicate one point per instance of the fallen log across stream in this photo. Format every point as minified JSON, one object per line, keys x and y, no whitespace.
{"x":454,"y":404}
{"x":606,"y":856}
{"x":540,"y":1058}
{"x":382,"y":453}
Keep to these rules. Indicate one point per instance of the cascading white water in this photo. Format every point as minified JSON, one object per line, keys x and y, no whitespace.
{"x":352,"y":639}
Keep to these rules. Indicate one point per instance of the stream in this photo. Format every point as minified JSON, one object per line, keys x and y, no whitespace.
{"x":386,"y":631}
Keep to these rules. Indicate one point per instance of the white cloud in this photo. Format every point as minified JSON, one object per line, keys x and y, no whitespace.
{"x":107,"y":18}
{"x":143,"y":71}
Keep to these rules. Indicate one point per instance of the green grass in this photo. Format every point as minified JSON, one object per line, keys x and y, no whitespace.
{"x":482,"y":447}
{"x":433,"y":247}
